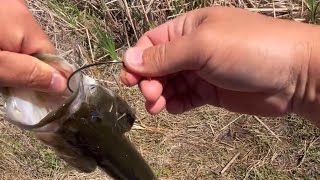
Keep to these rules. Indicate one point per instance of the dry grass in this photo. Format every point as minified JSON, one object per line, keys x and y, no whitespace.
{"x":206,"y":143}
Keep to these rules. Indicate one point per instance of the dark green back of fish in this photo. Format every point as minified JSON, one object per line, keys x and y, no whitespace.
{"x":97,"y":129}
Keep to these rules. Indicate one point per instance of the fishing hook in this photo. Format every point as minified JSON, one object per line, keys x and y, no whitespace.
{"x":87,"y":66}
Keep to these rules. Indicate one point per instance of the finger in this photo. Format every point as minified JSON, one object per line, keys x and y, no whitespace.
{"x":36,"y":41}
{"x":151,"y":89}
{"x":19,"y":70}
{"x":39,"y":44}
{"x":24,"y":35}
{"x":129,"y":79}
{"x":169,"y":48}
{"x":157,"y":106}
{"x":173,"y":29}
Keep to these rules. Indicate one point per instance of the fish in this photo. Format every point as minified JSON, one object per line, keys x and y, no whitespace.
{"x":85,"y":127}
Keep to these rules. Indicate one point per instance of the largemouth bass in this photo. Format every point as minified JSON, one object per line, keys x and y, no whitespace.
{"x":85,"y":128}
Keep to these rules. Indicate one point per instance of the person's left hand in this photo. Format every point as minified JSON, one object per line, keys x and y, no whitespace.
{"x":20,"y":37}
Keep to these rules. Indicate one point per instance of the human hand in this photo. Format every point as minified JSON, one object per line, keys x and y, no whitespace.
{"x":21,"y":36}
{"x":226,"y":57}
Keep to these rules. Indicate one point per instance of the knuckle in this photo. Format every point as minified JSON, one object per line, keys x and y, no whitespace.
{"x":159,"y":57}
{"x":33,"y":75}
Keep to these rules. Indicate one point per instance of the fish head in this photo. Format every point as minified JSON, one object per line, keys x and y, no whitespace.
{"x":109,"y":105}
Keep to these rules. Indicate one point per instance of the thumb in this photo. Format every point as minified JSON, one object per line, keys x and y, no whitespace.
{"x":20,"y":70}
{"x":163,"y":59}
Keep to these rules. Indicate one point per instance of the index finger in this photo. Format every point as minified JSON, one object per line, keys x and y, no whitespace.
{"x":173,"y":29}
{"x":22,"y":33}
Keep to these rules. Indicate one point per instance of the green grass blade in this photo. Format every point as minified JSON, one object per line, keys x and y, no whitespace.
{"x":312,"y":10}
{"x":106,"y":42}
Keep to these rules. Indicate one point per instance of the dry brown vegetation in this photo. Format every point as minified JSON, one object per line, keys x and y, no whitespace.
{"x":206,"y":143}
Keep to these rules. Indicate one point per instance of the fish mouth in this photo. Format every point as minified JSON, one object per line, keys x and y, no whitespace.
{"x":30,"y":109}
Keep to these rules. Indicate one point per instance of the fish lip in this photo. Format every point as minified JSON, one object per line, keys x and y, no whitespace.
{"x":50,"y":117}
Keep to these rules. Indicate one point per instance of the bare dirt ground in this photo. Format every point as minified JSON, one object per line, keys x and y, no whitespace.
{"x":206,"y":143}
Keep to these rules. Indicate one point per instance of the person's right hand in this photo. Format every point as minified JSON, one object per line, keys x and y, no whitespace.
{"x":230,"y":58}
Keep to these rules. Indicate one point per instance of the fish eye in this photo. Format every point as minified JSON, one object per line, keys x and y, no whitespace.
{"x":94,"y":117}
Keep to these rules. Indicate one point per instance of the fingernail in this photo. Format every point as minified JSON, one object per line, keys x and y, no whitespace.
{"x":58,"y":83}
{"x":133,"y":57}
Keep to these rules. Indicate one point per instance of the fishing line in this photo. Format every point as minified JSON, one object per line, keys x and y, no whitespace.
{"x":87,"y":66}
